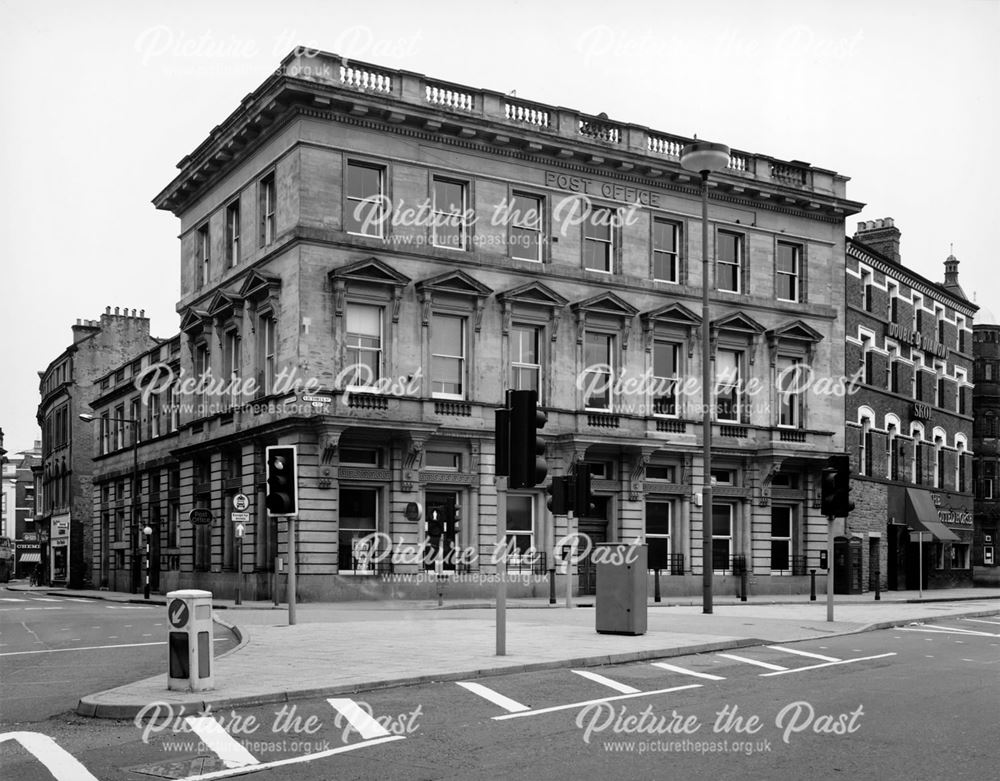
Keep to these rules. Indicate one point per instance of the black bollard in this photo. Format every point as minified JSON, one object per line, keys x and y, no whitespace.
{"x":812,"y":585}
{"x":878,"y":595}
{"x":743,"y":586}
{"x":552,"y":586}
{"x":656,"y":585}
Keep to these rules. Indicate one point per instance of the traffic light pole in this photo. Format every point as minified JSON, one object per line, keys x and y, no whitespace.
{"x":291,"y":570}
{"x":501,"y":565}
{"x":829,"y":569}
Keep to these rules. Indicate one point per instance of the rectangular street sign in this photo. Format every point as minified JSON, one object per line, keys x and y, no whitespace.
{"x":241,"y":517}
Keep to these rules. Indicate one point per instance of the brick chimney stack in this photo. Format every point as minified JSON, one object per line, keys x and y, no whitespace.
{"x":882,"y":236}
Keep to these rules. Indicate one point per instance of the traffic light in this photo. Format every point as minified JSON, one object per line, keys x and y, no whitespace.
{"x":502,"y":434}
{"x":282,"y":480}
{"x":835,"y":497}
{"x":828,"y":491}
{"x":582,"y":500}
{"x":559,"y":493}
{"x":527,"y":450}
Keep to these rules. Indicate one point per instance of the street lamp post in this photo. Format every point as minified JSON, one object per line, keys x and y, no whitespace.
{"x":134,"y":523}
{"x":703,"y":157}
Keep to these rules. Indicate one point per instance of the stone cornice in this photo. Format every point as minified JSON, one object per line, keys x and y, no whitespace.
{"x":401,"y":102}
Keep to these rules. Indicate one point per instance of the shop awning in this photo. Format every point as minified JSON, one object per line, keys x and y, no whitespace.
{"x":30,"y":558}
{"x":921,"y":516}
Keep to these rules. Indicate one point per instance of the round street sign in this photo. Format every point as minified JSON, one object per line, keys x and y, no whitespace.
{"x":240,"y":502}
{"x":178,"y":613}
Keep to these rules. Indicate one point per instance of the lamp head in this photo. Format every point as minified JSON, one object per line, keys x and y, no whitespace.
{"x":86,"y":417}
{"x":704,"y":157}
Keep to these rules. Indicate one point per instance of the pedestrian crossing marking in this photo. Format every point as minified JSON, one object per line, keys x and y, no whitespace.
{"x":745,"y":660}
{"x":800,"y":652}
{"x":611,"y":684}
{"x":360,"y":720}
{"x":684,"y":671}
{"x":509,"y":705}
{"x":62,"y":765}
{"x":226,"y":747}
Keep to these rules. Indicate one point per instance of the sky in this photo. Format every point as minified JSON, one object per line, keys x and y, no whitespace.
{"x":101,"y":99}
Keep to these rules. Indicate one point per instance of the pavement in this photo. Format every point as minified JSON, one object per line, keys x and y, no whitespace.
{"x":347,"y":647}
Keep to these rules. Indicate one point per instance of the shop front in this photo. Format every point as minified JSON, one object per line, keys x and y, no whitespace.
{"x":929,"y":539}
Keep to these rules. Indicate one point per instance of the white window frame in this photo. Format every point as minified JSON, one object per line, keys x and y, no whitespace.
{"x":234,"y":363}
{"x":268,"y":196}
{"x":379,"y":351}
{"x":612,"y":342}
{"x":666,"y":382}
{"x":738,"y":263}
{"x":672,"y":256}
{"x":340,"y":528}
{"x":789,"y":540}
{"x":518,"y":222}
{"x":233,"y":233}
{"x":462,"y":359}
{"x":608,"y":243}
{"x":795,"y":274}
{"x":670,"y":524}
{"x":530,"y":534}
{"x":357,"y":200}
{"x":519,"y":366}
{"x":736,"y":386}
{"x":793,"y":401}
{"x":204,"y":254}
{"x":267,"y":350}
{"x":448,"y":217}
{"x":728,"y":537}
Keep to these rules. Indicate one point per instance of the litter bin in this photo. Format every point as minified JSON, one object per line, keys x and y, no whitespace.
{"x":621,"y":588}
{"x":189,"y":640}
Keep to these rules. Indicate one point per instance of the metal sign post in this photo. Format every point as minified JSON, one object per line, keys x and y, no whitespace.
{"x":920,"y":564}
{"x":501,"y":565}
{"x":570,"y":555}
{"x":829,"y":570}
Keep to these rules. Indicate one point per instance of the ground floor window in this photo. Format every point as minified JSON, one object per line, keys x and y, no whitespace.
{"x":658,"y":535}
{"x":959,"y":556}
{"x":358,"y":520}
{"x":781,"y":539}
{"x":722,"y":536}
{"x":520,"y":527}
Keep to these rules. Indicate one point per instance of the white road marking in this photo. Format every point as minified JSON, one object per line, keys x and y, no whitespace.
{"x":982,"y":621}
{"x":42,"y":608}
{"x":12,"y":599}
{"x":766,"y":665}
{"x":509,"y":705}
{"x":624,"y":688}
{"x":803,"y":653}
{"x":239,"y":771}
{"x":943,"y":631}
{"x":683,"y":671}
{"x":232,"y":753}
{"x":963,"y":631}
{"x":128,"y":607}
{"x":90,"y":648}
{"x":828,"y":664}
{"x":45,"y":599}
{"x":359,"y":719}
{"x":62,"y":765}
{"x":573,"y":705}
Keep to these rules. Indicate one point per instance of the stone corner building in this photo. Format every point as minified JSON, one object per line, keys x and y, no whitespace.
{"x":454,"y":243}
{"x":909,"y":426}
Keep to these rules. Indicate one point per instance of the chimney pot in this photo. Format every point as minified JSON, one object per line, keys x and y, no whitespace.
{"x":107,"y":310}
{"x":116,"y":311}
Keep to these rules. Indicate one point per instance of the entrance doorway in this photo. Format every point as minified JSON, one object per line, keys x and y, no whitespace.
{"x":442,"y":529}
{"x":595,"y":526}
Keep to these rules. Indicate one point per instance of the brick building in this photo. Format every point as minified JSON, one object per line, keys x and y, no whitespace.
{"x":986,"y":445}
{"x":64,"y":522}
{"x":909,"y":425}
{"x":384,"y":254}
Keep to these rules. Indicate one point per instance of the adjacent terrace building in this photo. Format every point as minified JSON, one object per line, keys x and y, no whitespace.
{"x":909,"y":426}
{"x":384,"y":254}
{"x":986,"y":444}
{"x":64,"y":522}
